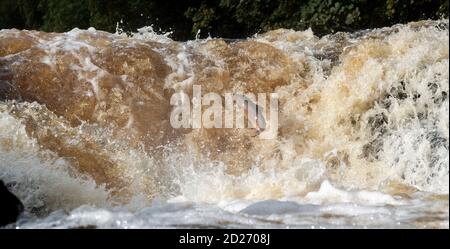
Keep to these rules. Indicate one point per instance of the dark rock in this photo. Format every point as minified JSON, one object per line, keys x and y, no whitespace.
{"x":10,"y":206}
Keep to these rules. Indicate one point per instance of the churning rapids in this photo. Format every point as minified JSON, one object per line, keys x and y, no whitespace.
{"x":363,"y":138}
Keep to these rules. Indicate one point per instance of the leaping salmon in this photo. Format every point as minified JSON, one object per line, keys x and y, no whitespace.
{"x":253,"y":111}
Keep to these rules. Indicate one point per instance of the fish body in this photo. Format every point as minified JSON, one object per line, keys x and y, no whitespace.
{"x":253,"y":111}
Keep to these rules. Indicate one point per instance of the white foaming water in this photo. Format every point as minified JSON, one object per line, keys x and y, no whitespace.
{"x":41,"y":180}
{"x":363,"y":138}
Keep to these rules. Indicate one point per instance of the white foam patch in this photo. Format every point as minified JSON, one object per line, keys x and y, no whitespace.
{"x":328,"y":194}
{"x":40,"y":179}
{"x":211,"y":184}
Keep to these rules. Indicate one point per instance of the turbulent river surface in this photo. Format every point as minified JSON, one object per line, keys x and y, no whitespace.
{"x":362,"y":142}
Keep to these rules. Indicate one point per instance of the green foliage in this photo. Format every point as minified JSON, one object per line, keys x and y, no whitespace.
{"x":404,"y":10}
{"x":63,"y":15}
{"x":9,"y":11}
{"x":202,"y":17}
{"x":29,"y":11}
{"x":225,"y":18}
